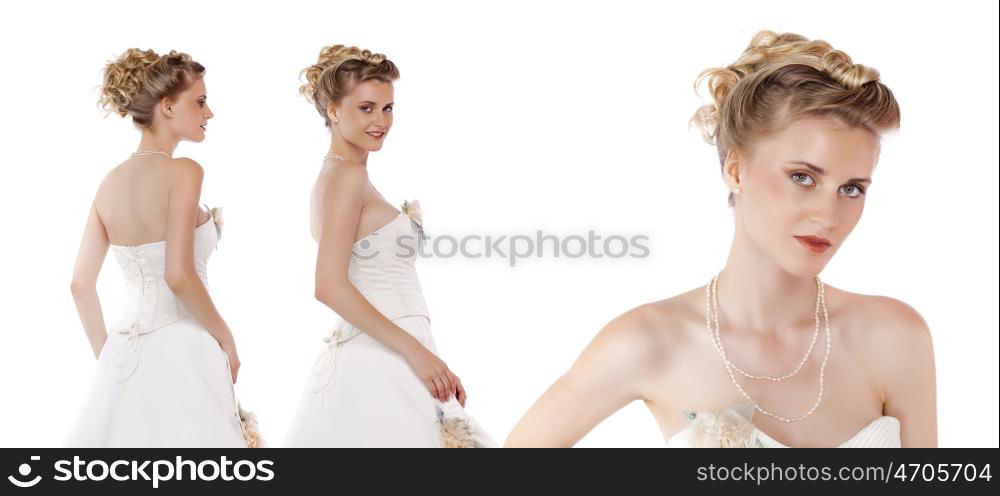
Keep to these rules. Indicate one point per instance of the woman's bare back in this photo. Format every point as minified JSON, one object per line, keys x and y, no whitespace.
{"x":133,"y":199}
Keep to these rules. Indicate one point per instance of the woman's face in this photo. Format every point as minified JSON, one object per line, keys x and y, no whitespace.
{"x":803,"y":190}
{"x":363,"y":117}
{"x":190,"y":112}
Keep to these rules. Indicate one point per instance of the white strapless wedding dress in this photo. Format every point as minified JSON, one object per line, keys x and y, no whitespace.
{"x":882,"y":432}
{"x":362,"y":394}
{"x":162,"y":380}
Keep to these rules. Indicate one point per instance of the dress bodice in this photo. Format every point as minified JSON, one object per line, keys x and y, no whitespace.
{"x":383,"y":269}
{"x":148,"y":302}
{"x":883,"y":432}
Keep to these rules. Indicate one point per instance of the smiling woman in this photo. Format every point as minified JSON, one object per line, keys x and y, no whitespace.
{"x":378,"y":381}
{"x":797,"y":126}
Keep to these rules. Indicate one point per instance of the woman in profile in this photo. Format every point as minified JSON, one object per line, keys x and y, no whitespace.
{"x":165,"y":372}
{"x":378,"y":381}
{"x":766,"y":354}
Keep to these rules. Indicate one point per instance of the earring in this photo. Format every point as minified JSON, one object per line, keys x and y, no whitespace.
{"x":736,"y":191}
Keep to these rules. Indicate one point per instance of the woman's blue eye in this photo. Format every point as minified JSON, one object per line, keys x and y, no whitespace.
{"x":852,"y":190}
{"x":802,"y":179}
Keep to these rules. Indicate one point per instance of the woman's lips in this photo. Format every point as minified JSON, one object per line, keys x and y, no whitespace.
{"x":814,"y":244}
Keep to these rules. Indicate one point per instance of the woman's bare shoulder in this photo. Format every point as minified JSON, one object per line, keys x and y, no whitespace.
{"x":879,"y":317}
{"x":344,"y":176}
{"x":886,"y":333}
{"x":651,"y":332}
{"x":184,"y":169}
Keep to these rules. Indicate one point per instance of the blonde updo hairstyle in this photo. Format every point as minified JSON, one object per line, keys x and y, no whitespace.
{"x":782,"y":77}
{"x":339,"y":69}
{"x":138,"y":80}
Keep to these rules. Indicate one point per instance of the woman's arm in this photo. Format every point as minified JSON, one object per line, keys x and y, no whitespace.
{"x":342,"y":202}
{"x":610,"y":373}
{"x":181,"y":276}
{"x":907,"y":367}
{"x":89,"y":260}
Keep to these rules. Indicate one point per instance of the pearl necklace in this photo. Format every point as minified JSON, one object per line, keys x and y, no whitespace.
{"x":805,"y":357}
{"x":712,"y":312}
{"x":149,"y":152}
{"x":333,"y":155}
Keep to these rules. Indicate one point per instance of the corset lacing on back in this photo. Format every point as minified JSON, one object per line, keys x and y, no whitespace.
{"x":149,"y":303}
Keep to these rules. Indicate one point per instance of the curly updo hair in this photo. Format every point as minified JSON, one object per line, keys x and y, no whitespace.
{"x":135,"y":83}
{"x":782,"y":77}
{"x":337,"y":71}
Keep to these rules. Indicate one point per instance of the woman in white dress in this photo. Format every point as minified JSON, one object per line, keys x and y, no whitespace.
{"x":165,"y":372}
{"x":766,"y":354}
{"x":378,"y":381}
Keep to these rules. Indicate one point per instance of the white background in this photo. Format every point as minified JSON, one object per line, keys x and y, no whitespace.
{"x":510,"y":117}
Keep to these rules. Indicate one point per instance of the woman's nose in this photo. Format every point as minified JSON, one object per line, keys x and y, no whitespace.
{"x":826,"y":214}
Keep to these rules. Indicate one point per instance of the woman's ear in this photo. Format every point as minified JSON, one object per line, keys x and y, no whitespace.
{"x":166,"y":107}
{"x":732,"y":170}
{"x":331,"y":113}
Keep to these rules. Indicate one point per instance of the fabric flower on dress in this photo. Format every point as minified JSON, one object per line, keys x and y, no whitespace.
{"x":729,"y":428}
{"x":217,"y":218}
{"x":413,"y":211}
{"x":456,"y":432}
{"x":251,"y":432}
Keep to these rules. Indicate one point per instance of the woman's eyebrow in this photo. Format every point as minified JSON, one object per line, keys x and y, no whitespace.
{"x":817,"y":169}
{"x":821,"y":171}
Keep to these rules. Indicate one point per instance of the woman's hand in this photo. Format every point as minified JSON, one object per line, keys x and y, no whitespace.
{"x":440,"y":381}
{"x":234,"y":358}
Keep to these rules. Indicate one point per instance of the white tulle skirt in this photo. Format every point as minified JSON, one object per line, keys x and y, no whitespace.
{"x":366,"y":395}
{"x":167,"y":388}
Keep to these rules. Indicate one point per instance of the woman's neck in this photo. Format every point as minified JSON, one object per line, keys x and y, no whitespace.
{"x":152,"y":140}
{"x":757,"y":295}
{"x":343,"y":148}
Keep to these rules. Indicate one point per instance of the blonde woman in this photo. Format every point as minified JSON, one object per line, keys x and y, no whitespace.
{"x":166,"y":370}
{"x":378,"y":381}
{"x":766,"y":354}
